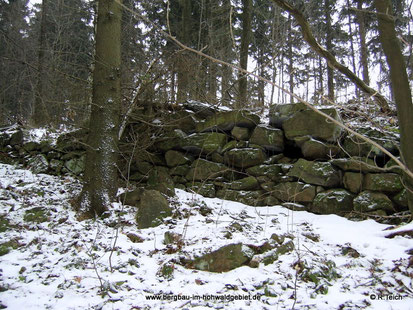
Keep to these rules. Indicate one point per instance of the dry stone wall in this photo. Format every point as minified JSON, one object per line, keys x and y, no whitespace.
{"x":297,"y":158}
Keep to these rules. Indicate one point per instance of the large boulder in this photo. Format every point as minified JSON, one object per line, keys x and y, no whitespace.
{"x":153,"y":207}
{"x":205,"y":143}
{"x":240,"y":133}
{"x":245,"y":157}
{"x":204,"y":189}
{"x":227,"y":120}
{"x":202,"y":169}
{"x":38,"y":164}
{"x":313,"y":149}
{"x":368,"y":201}
{"x":317,"y":173}
{"x":280,"y":112}
{"x":160,"y":180}
{"x":294,"y":192}
{"x":169,"y":140}
{"x":383,"y":182}
{"x":226,"y":258}
{"x":354,"y":146}
{"x":271,"y":139}
{"x":333,"y":201}
{"x":175,"y":158}
{"x":310,"y":123}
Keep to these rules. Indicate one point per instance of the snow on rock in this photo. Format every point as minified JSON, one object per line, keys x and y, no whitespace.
{"x":52,"y":260}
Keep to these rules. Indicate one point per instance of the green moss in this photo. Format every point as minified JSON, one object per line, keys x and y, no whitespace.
{"x":36,"y":215}
{"x":4,"y":224}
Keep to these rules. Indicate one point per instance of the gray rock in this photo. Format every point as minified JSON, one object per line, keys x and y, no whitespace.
{"x":175,"y":158}
{"x":202,"y":169}
{"x":383,"y":182}
{"x":310,"y":123}
{"x":153,"y":208}
{"x":38,"y":164}
{"x":204,"y":143}
{"x":317,"y":173}
{"x":353,"y":181}
{"x":368,"y":201}
{"x":270,"y":138}
{"x":333,"y":201}
{"x":244,"y":158}
{"x":294,"y":192}
{"x":227,"y":120}
{"x":240,"y":133}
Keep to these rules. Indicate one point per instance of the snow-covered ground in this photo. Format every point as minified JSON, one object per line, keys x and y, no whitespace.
{"x":56,"y":261}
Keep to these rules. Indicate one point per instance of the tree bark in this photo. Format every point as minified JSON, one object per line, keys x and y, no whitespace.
{"x":40,"y":115}
{"x":329,"y":45}
{"x":245,"y":42}
{"x":401,"y":88}
{"x":331,"y":60}
{"x":100,"y":178}
{"x":364,"y":53}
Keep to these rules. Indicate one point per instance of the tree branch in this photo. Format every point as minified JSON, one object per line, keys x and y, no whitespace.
{"x":331,"y":60}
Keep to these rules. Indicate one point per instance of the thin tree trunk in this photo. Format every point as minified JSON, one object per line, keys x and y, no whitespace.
{"x":100,"y":178}
{"x":364,"y":53}
{"x":40,"y":115}
{"x":401,"y":87}
{"x":245,"y":42}
{"x":329,"y":45}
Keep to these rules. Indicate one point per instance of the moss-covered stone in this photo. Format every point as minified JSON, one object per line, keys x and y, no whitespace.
{"x":314,"y":149}
{"x":252,"y":198}
{"x":179,"y":170}
{"x":353,"y":181}
{"x":271,"y":139}
{"x":233,"y":144}
{"x":4,"y":224}
{"x":294,"y":192}
{"x":273,"y":172}
{"x":153,"y":207}
{"x":317,"y":173}
{"x":38,"y":164}
{"x":333,"y":201}
{"x":240,"y":133}
{"x":160,"y":180}
{"x":401,"y":198}
{"x":368,"y":201}
{"x":202,"y":169}
{"x":224,"y":259}
{"x":310,"y":123}
{"x":204,"y":143}
{"x":383,"y":182}
{"x":175,"y":158}
{"x":75,"y":165}
{"x":227,"y":120}
{"x":280,"y":112}
{"x":248,"y":183}
{"x":244,"y":158}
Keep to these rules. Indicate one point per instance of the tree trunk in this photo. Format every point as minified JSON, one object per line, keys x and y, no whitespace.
{"x":40,"y":115}
{"x":332,"y":61}
{"x":100,"y":178}
{"x":245,"y":42}
{"x":364,"y":53}
{"x":329,"y":45}
{"x":401,"y":88}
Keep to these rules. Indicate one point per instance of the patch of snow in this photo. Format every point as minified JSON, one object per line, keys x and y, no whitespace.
{"x":64,"y":263}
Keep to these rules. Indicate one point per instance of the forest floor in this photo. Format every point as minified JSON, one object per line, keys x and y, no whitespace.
{"x":52,"y":260}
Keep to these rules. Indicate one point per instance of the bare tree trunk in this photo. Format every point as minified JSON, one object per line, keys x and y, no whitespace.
{"x":332,"y":61}
{"x":364,"y":53}
{"x":245,"y":42}
{"x":401,"y":88}
{"x":100,"y":178}
{"x":329,"y":45}
{"x":40,"y":115}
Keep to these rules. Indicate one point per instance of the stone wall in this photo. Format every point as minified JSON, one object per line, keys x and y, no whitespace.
{"x":296,"y":158}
